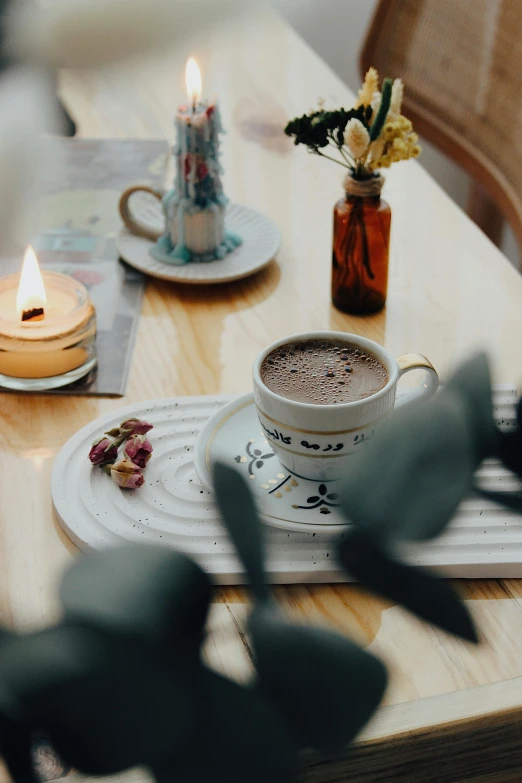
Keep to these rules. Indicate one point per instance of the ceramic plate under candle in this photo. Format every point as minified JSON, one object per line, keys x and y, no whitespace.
{"x":261,"y":240}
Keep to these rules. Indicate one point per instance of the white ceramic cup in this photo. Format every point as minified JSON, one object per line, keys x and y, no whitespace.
{"x":318,"y":441}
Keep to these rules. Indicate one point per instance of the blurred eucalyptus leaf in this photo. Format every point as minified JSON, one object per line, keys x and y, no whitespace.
{"x":93,"y":33}
{"x":30,"y":663}
{"x":15,"y":747}
{"x":241,"y":519}
{"x":343,"y":683}
{"x":472,"y":381}
{"x":510,"y":500}
{"x":27,"y":108}
{"x":518,"y":412}
{"x":510,"y":445}
{"x":239,"y":736}
{"x":138,"y":590}
{"x":422,"y":592}
{"x":107,"y":703}
{"x":409,"y":481}
{"x":324,"y":686}
{"x":510,"y":450}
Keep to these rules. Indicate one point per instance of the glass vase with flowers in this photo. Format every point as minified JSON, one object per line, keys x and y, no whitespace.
{"x":368,"y":137}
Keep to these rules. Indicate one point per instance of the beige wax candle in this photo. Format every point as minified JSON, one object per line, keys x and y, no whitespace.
{"x":59,"y":339}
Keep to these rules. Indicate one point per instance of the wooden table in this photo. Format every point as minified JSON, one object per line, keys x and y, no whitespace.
{"x":450,"y":291}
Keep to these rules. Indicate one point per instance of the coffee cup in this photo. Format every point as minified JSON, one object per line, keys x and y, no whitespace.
{"x":318,"y":441}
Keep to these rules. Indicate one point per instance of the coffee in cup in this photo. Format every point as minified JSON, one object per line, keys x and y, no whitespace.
{"x":323,"y":372}
{"x":321,"y":396}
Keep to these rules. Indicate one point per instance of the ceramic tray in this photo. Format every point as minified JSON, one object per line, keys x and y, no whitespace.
{"x":175,"y":509}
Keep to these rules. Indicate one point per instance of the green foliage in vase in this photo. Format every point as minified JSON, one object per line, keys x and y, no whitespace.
{"x":382,"y":113}
{"x":320,"y":128}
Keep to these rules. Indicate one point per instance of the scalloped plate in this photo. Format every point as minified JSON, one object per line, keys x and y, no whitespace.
{"x":261,"y":240}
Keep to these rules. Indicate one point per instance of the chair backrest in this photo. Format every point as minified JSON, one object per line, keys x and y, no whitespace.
{"x":460,"y":62}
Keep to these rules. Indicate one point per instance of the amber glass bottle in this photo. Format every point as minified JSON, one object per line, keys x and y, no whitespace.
{"x":361,"y":242}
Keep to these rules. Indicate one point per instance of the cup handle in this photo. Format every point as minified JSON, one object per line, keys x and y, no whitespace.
{"x":134,"y":225}
{"x":425,"y":390}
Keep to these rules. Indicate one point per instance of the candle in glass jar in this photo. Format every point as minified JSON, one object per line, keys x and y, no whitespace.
{"x":47,"y":329}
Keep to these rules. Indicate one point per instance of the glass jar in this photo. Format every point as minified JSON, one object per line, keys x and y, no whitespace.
{"x":361,"y":243}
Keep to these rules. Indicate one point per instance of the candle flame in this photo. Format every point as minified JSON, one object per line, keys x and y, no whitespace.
{"x":193,"y":79}
{"x":31,"y":291}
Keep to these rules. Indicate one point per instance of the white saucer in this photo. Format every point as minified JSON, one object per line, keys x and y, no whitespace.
{"x":260,"y":235}
{"x":233,"y":434}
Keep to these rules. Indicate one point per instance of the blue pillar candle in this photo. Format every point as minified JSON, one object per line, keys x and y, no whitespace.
{"x":195,"y":207}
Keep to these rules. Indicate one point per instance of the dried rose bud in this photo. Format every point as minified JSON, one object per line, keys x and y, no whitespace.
{"x":126,"y":474}
{"x":139,"y":450}
{"x":103,"y":450}
{"x":135,"y":427}
{"x":114,"y":433}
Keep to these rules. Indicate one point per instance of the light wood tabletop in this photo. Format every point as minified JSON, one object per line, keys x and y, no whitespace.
{"x":450,"y":291}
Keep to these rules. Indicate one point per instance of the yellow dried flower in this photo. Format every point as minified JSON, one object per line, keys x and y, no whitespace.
{"x":370,"y":85}
{"x":356,"y":138}
{"x":396,"y":142}
{"x":398,"y":126}
{"x":399,"y":144}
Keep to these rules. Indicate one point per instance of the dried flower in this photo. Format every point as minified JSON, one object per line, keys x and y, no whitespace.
{"x":376,"y":149}
{"x":375,"y":101}
{"x":398,"y":142}
{"x":356,"y":138}
{"x":370,"y":85}
{"x":371,"y":135}
{"x":103,"y":451}
{"x":135,"y":427}
{"x":321,"y":128}
{"x":126,"y":474}
{"x":139,"y":450}
{"x":396,"y":98}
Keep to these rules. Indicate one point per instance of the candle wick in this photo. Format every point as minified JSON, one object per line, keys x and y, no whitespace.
{"x":34,"y":314}
{"x":194,"y":106}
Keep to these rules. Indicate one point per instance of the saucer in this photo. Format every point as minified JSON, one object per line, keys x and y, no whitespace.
{"x":233,"y":434}
{"x":260,"y":235}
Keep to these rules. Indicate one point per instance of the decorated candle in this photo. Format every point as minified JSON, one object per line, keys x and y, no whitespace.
{"x":47,"y":329}
{"x":195,"y":208}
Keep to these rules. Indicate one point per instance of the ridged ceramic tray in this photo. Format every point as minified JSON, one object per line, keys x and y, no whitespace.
{"x":261,"y":240}
{"x":173,"y":508}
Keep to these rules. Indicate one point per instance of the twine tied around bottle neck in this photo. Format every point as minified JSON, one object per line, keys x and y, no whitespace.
{"x":363,"y":188}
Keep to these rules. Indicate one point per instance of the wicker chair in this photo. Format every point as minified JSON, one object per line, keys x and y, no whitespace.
{"x":460,"y":61}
